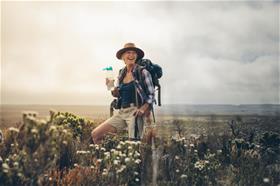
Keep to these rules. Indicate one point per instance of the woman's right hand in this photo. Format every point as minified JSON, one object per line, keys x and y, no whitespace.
{"x":115,"y":92}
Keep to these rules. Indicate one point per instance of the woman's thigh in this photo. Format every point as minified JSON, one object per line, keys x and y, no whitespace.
{"x":104,"y":128}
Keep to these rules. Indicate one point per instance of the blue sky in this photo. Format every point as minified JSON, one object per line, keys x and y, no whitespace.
{"x":215,"y":52}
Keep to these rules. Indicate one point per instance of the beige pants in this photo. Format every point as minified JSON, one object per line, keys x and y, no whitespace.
{"x":123,"y":118}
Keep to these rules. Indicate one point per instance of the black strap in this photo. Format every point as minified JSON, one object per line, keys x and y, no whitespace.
{"x":136,"y":129}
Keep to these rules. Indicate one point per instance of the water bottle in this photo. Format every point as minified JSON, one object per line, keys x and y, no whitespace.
{"x":109,"y":77}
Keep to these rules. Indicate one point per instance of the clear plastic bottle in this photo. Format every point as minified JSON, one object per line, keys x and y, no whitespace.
{"x":109,"y":77}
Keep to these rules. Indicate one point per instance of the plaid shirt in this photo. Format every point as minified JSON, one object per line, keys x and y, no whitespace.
{"x":146,"y":97}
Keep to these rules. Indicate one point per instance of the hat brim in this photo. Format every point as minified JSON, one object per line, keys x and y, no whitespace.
{"x":140,"y":53}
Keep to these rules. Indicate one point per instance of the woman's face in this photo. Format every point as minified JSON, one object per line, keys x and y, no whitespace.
{"x":129,"y":57}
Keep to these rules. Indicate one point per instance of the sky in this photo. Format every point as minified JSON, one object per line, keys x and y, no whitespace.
{"x":211,"y":52}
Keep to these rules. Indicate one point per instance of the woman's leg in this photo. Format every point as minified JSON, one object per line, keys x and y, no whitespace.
{"x":111,"y":125}
{"x":98,"y":133}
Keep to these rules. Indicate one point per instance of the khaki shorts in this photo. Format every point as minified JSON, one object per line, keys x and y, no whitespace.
{"x":123,"y":118}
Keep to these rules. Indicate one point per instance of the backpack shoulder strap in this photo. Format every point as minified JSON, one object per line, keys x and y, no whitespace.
{"x":121,"y":74}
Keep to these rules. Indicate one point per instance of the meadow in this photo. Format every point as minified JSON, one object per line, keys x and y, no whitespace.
{"x":54,"y":148}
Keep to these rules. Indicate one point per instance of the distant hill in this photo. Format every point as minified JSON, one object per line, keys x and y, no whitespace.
{"x":254,"y":109}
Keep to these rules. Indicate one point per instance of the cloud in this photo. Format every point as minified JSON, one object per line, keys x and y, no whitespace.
{"x":211,"y":52}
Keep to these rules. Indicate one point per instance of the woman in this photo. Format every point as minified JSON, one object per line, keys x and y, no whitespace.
{"x":136,"y":101}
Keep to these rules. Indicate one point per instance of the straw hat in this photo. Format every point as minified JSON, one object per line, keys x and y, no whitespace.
{"x":130,"y":46}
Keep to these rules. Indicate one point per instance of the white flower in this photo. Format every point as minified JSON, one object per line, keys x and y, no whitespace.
{"x":266,"y":180}
{"x":137,"y":161}
{"x":92,"y":167}
{"x":119,"y":146}
{"x":177,"y":170}
{"x":53,"y":127}
{"x":129,"y":147}
{"x":34,"y":131}
{"x":177,"y":157}
{"x":76,"y":165}
{"x":137,"y":179}
{"x":184,"y":176}
{"x":116,"y":162}
{"x":191,"y":145}
{"x":91,"y":145}
{"x":127,"y":160}
{"x":113,"y":150}
{"x":13,"y":129}
{"x":16,"y":164}
{"x":99,"y":160}
{"x":136,"y":173}
{"x":64,"y":131}
{"x":130,"y":154}
{"x":136,"y":154}
{"x":103,"y":149}
{"x":107,"y":154}
{"x":5,"y":166}
{"x":116,"y":152}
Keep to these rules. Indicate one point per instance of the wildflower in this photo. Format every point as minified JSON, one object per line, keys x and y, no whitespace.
{"x":136,"y":173}
{"x":119,"y":146}
{"x":266,"y":180}
{"x":177,"y":170}
{"x":130,"y":154}
{"x":64,"y":142}
{"x":99,"y":160}
{"x":137,"y":161}
{"x":34,"y":131}
{"x":113,"y":150}
{"x":107,"y":154}
{"x":76,"y":165}
{"x":92,"y":167}
{"x":129,"y":147}
{"x":122,"y":143}
{"x":16,"y":164}
{"x":136,"y":154}
{"x":137,"y":179}
{"x":191,"y":145}
{"x":105,"y":172}
{"x":195,"y":151}
{"x":121,"y":169}
{"x":184,"y":176}
{"x":117,"y":157}
{"x":103,"y":149}
{"x":5,"y":166}
{"x":53,"y":128}
{"x":116,"y":162}
{"x":127,"y":160}
{"x":91,"y":145}
{"x":12,"y":145}
{"x":116,"y":152}
{"x":13,"y":129}
{"x":177,"y":157}
{"x":50,"y":178}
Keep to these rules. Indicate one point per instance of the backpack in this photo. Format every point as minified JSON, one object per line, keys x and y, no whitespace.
{"x":155,"y":71}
